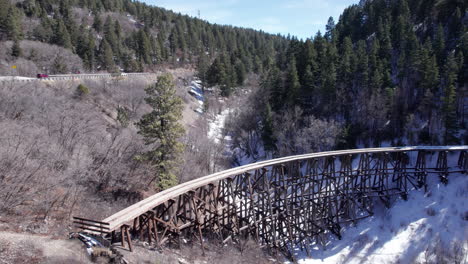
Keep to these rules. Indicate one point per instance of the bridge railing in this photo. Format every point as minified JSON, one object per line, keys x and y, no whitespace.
{"x":61,"y":77}
{"x":289,"y":202}
{"x":91,"y":226}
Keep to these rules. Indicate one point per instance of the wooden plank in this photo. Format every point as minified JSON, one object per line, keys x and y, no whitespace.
{"x":89,"y":220}
{"x":92,"y":229}
{"x":92,"y":225}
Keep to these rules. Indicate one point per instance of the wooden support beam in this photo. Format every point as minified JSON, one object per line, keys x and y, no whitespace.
{"x":129,"y":239}
{"x":122,"y":236}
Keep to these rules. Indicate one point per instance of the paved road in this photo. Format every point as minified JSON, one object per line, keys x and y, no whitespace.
{"x":71,"y":77}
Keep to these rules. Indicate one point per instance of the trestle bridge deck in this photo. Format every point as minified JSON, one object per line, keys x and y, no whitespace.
{"x":284,"y":203}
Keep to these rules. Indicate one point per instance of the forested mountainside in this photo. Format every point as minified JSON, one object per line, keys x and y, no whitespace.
{"x":108,"y":34}
{"x":388,"y":70}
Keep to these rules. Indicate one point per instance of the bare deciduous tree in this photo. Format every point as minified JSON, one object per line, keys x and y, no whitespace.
{"x":300,"y":135}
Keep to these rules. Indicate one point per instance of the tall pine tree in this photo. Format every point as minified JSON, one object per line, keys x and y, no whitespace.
{"x":161,"y":130}
{"x":449,"y":101}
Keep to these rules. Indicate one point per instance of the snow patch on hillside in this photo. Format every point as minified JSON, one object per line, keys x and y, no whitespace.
{"x":197,"y":92}
{"x":421,"y":230}
{"x":216,"y":126}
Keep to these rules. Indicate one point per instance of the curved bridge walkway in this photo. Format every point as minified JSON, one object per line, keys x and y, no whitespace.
{"x":284,"y":204}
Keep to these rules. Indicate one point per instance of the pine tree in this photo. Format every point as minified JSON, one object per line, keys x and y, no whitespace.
{"x":328,"y":77}
{"x":456,"y":24}
{"x":439,"y":45}
{"x":385,"y":41}
{"x":16,"y":50}
{"x":376,"y":80}
{"x":257,"y":65}
{"x":345,"y":70}
{"x":329,"y":87}
{"x":329,"y":28}
{"x":12,"y":25}
{"x":182,"y":43}
{"x":346,"y":60}
{"x":109,"y":33}
{"x":61,"y":35}
{"x":144,"y":47}
{"x":82,"y":42}
{"x":449,"y":102}
{"x":64,"y":9}
{"x":273,"y":85}
{"x":240,"y":73}
{"x":362,"y":67}
{"x":308,"y":83}
{"x":173,"y":41}
{"x":129,"y":64}
{"x":156,"y":51}
{"x":118,"y":30}
{"x":160,"y":129}
{"x":292,"y":84}
{"x":4,"y":8}
{"x":44,"y":31}
{"x":217,"y":72}
{"x":428,"y":83}
{"x":308,"y":57}
{"x":428,"y":69}
{"x":90,"y":52}
{"x":107,"y":57}
{"x":411,"y":47}
{"x":400,"y":28}
{"x":202,"y":67}
{"x":97,"y":24}
{"x":225,"y":77}
{"x":30,"y":8}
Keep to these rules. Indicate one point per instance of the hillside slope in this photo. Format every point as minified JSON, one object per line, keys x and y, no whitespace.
{"x":66,"y":152}
{"x":428,"y":228}
{"x":129,"y":35}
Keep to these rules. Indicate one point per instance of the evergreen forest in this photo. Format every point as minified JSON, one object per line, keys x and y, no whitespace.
{"x":387,"y":70}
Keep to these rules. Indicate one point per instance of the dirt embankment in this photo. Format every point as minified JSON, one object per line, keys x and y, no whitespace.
{"x":28,"y":248}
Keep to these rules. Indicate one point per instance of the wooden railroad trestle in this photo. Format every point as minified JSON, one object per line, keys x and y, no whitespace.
{"x":287,"y":203}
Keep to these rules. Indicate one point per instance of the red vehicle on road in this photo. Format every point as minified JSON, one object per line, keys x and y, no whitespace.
{"x":42,"y":75}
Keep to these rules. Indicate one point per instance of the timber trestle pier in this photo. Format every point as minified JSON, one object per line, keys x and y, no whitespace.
{"x":284,"y":204}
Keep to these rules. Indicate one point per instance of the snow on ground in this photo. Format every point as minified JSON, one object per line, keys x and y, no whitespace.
{"x":413,"y":231}
{"x":197,"y":92}
{"x":216,"y":126}
{"x":216,"y":123}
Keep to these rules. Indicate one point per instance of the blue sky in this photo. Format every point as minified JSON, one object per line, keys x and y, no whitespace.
{"x":301,"y":18}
